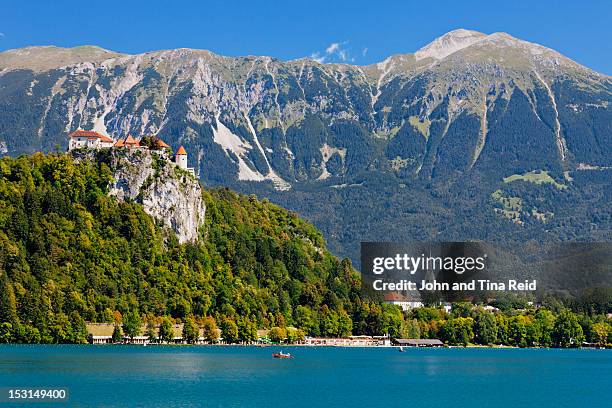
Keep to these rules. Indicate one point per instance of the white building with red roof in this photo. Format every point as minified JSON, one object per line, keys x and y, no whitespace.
{"x":81,"y":139}
{"x":181,"y":160}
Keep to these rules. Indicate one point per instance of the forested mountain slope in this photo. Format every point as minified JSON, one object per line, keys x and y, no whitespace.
{"x":71,"y":253}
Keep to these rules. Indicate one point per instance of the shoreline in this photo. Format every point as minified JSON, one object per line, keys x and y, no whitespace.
{"x":472,"y":346}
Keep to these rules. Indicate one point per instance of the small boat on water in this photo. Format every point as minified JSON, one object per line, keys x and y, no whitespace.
{"x":282,"y":355}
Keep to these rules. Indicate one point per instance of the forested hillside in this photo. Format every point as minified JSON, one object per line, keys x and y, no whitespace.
{"x":69,"y":253}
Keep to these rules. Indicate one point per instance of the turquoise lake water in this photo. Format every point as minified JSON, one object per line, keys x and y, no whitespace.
{"x":162,"y":376}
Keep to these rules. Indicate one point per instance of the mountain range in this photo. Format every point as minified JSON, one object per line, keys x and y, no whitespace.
{"x":473,"y":136}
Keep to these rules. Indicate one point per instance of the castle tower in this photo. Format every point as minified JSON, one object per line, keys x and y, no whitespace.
{"x":181,"y":158}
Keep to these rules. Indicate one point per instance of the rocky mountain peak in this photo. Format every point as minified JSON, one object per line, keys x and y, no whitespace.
{"x":449,"y":43}
{"x":42,"y":58}
{"x":261,"y":120}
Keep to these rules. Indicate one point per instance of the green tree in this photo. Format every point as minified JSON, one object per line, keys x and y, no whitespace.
{"x":79,"y":329}
{"x":545,"y":320}
{"x":465,"y":327}
{"x":601,"y":332}
{"x":60,"y":329}
{"x":8,"y":303}
{"x":448,"y":332}
{"x":428,"y":314}
{"x":411,"y":329}
{"x":501,"y":321}
{"x":345,"y":324}
{"x":300,"y":335}
{"x":294,"y":335}
{"x":132,"y":325}
{"x":229,"y":330}
{"x":150,"y":332}
{"x":307,"y":320}
{"x":277,"y":334}
{"x":534,"y":332}
{"x":191,"y":331}
{"x":117,"y":336}
{"x":166,"y":333}
{"x":6,"y":332}
{"x":485,"y":328}
{"x":566,"y":331}
{"x":328,"y":322}
{"x":30,"y":335}
{"x":517,"y":331}
{"x":462,"y":309}
{"x":211,"y":331}
{"x":391,"y":320}
{"x":247,"y":330}
{"x":458,"y":330}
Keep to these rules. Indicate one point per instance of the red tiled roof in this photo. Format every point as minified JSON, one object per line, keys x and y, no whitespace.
{"x":395,"y":297}
{"x":181,"y":151}
{"x":90,"y":134}
{"x":129,"y":140}
{"x":105,"y":139}
{"x":161,"y":144}
{"x":84,"y":133}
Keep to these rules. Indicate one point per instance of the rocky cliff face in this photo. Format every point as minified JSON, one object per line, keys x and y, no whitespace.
{"x":171,"y":195}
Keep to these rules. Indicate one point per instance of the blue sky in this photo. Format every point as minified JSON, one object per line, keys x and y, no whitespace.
{"x":364,"y":31}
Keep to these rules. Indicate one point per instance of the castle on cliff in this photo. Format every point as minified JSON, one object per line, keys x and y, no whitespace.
{"x":89,"y":139}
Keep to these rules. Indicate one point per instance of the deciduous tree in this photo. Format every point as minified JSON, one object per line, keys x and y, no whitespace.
{"x":566,"y":331}
{"x":166,"y":334}
{"x":191,"y":331}
{"x":132,"y":324}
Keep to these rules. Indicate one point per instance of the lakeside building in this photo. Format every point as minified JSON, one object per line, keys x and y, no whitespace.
{"x":418,"y":342}
{"x":350,"y":341}
{"x":99,"y":333}
{"x":102,"y":333}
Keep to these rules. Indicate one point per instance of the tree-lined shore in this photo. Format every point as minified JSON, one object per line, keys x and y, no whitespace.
{"x":465,"y":325}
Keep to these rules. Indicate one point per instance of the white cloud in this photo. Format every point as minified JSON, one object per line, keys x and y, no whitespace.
{"x":2,"y":35}
{"x":336,"y":51}
{"x":364,"y":52}
{"x":318,"y":57}
{"x":333,"y":47}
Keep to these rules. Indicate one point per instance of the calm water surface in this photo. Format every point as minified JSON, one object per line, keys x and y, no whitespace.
{"x":161,"y":376}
